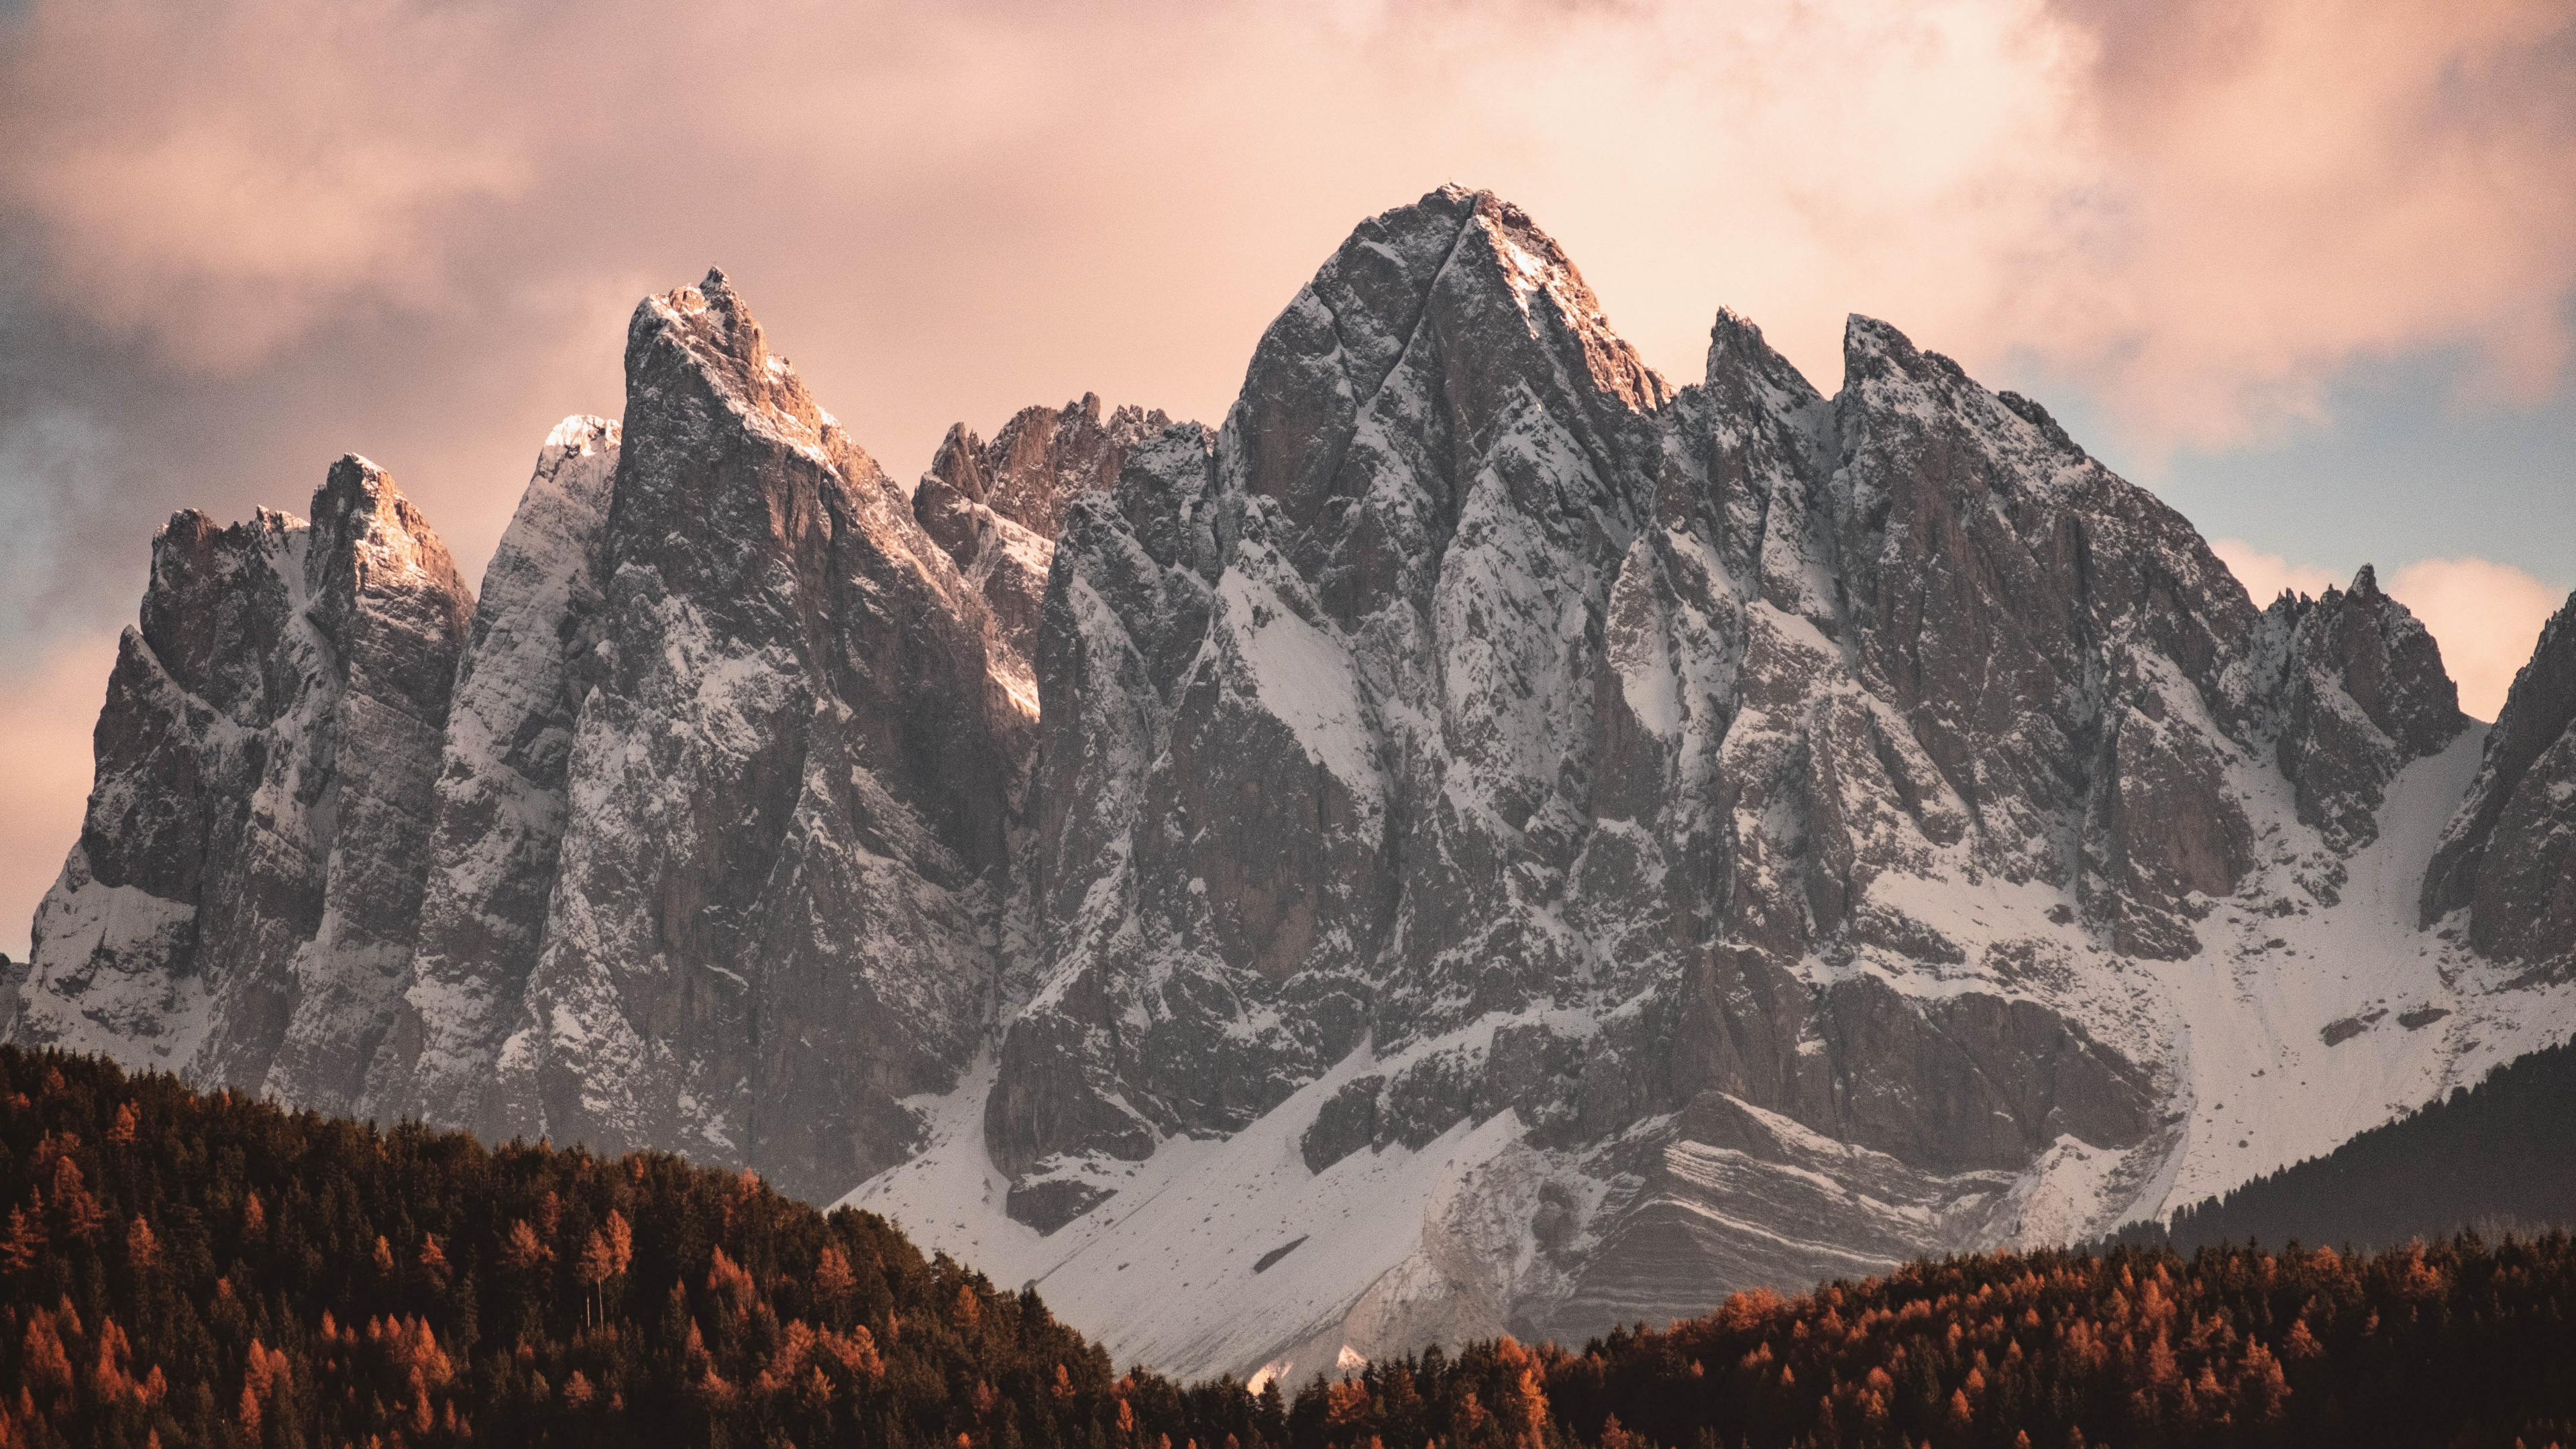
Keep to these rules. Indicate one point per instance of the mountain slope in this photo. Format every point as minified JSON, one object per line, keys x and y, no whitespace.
{"x":497,"y":826}
{"x":1639,"y":841}
{"x":1481,"y":840}
{"x":789,"y":789}
{"x":2497,"y":1156}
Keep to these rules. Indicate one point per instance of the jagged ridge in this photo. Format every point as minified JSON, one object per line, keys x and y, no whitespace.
{"x":1580,"y":843}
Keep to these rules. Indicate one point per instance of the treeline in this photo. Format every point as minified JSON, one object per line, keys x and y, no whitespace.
{"x":182,"y":1269}
{"x":2454,"y":1344}
{"x":2497,"y":1156}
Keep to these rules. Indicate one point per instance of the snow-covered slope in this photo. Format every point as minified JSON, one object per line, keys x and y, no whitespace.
{"x":1482,"y":840}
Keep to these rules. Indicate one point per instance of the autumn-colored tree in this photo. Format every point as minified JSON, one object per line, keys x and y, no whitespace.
{"x":523,"y":1251}
{"x":24,"y":1245}
{"x":287,"y":1279}
{"x":433,"y":1260}
{"x":81,"y":1215}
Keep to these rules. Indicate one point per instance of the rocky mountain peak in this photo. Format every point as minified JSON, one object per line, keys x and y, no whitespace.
{"x":1535,"y":267}
{"x":997,"y":507}
{"x":385,"y":578}
{"x":1041,"y":458}
{"x":794,"y":735}
{"x":249,"y":870}
{"x":708,"y":331}
{"x":2364,"y":693}
{"x":501,"y":804}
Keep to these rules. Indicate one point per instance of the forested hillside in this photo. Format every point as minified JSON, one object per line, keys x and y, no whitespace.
{"x":204,"y":1269}
{"x":2499,"y":1155}
{"x":210,"y":1270}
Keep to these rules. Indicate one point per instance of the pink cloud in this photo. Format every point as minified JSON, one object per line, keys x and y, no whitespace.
{"x":2487,"y":617}
{"x":222,"y":179}
{"x":2205,"y":209}
{"x":2265,"y":575}
{"x":2295,"y":185}
{"x":46,"y":715}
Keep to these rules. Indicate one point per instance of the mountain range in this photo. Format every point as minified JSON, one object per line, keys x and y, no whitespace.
{"x":1481,"y":840}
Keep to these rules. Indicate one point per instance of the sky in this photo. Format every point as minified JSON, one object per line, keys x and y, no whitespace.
{"x":2307,"y":268}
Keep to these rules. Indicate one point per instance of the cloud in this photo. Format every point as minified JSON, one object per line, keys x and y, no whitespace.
{"x":45,"y":715}
{"x":2205,"y":209}
{"x":52,"y":461}
{"x":2265,"y":575}
{"x":2487,"y":616}
{"x":222,"y":178}
{"x":2292,"y":186}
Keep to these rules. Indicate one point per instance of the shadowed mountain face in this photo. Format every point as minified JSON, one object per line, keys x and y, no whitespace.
{"x":2509,"y":856}
{"x":1559,"y":846}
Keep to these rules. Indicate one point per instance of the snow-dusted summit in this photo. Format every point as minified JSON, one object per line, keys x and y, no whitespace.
{"x":1481,"y":840}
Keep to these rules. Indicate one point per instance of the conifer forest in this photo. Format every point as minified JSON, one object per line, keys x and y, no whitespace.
{"x":205,"y":1269}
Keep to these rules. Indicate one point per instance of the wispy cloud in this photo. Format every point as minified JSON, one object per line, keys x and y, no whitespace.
{"x":2487,"y":617}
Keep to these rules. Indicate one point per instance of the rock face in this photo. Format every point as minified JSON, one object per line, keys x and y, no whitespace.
{"x":501,"y":803}
{"x":996,"y":507}
{"x":710,"y":853}
{"x":1481,"y":840}
{"x":790,"y":785}
{"x":241,"y":904}
{"x":2508,"y":858}
{"x":2364,"y":693}
{"x":1043,"y":459}
{"x":1652,"y":840}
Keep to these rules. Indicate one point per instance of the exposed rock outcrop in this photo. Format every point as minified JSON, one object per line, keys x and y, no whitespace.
{"x":241,"y":904}
{"x":997,"y":507}
{"x":2509,"y":855}
{"x":502,"y":799}
{"x":2363,"y":692}
{"x":1043,"y":459}
{"x":792,"y":782}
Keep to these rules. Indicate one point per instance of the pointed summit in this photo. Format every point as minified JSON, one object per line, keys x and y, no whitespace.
{"x":2365,"y":693}
{"x":797,"y":765}
{"x":1043,"y":457}
{"x":708,"y":331}
{"x":496,"y":830}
